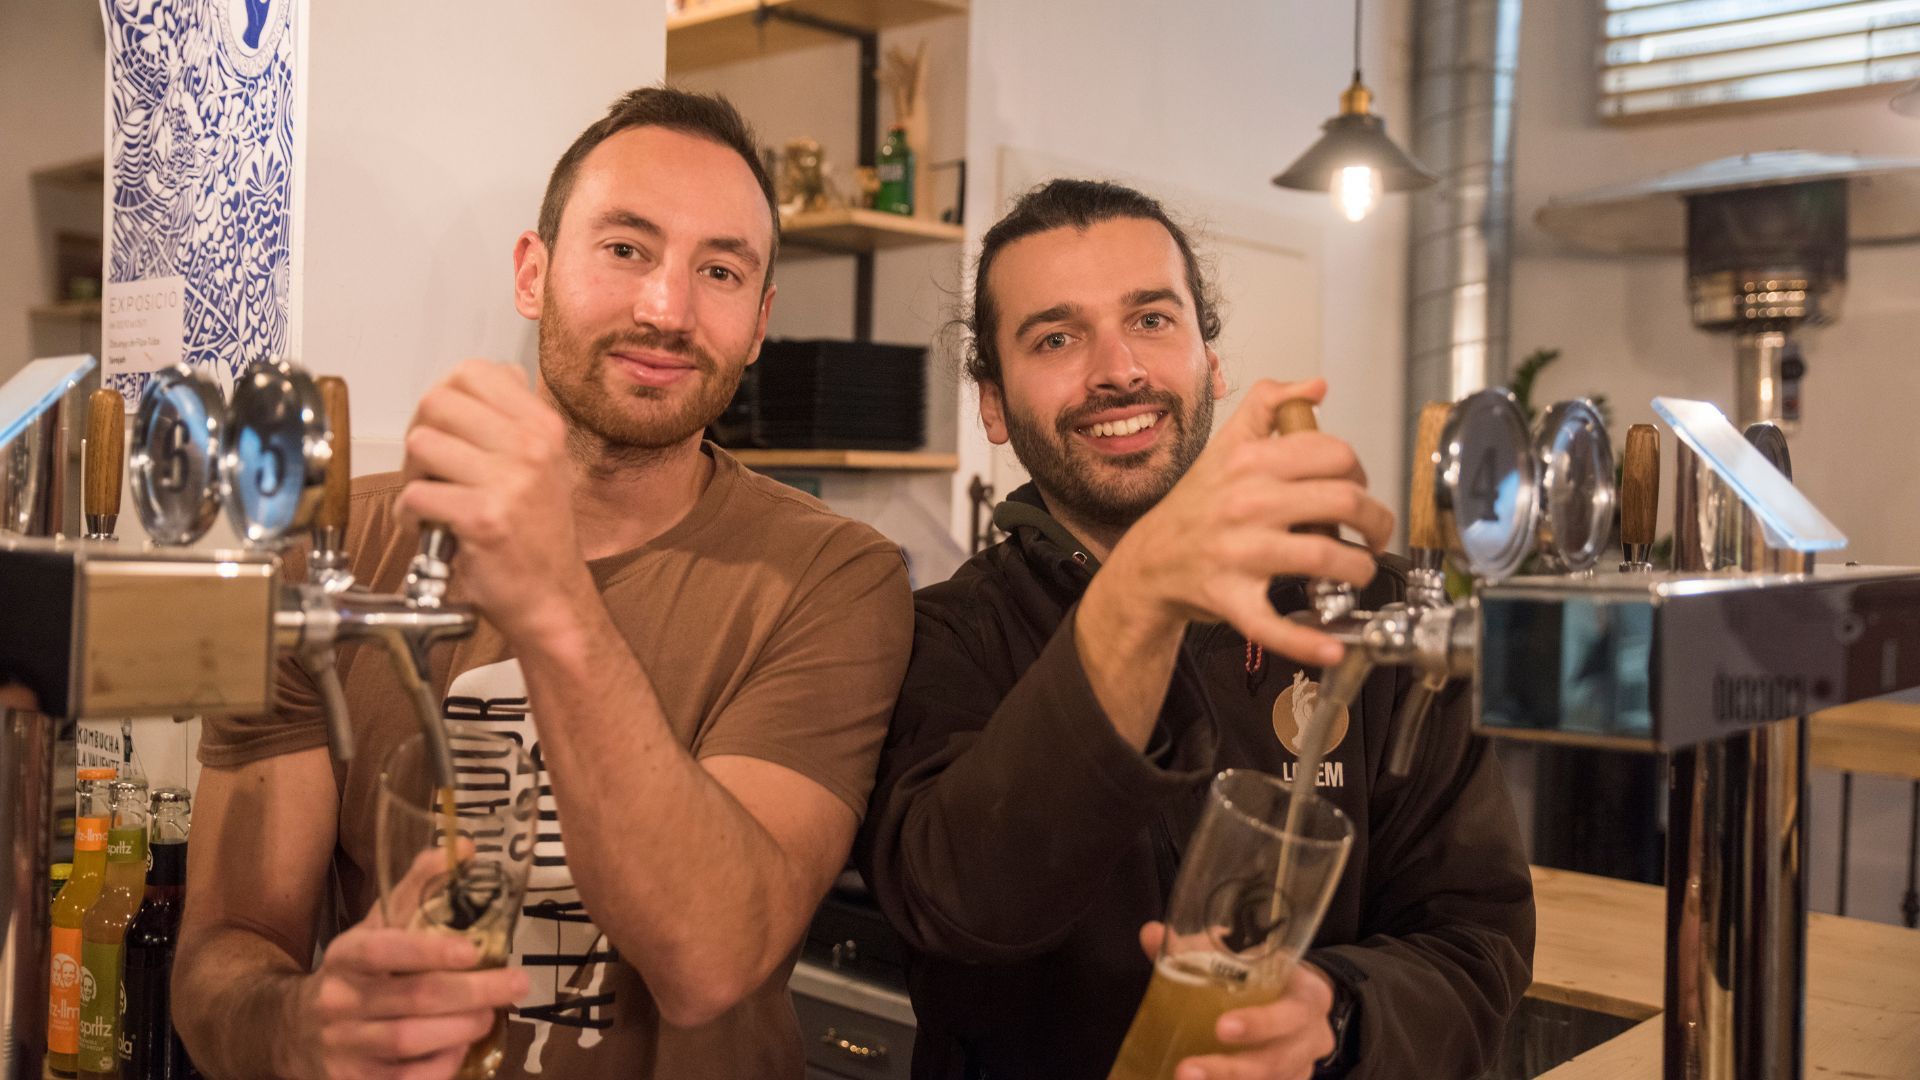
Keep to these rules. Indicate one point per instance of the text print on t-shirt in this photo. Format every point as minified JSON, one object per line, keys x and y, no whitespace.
{"x":563,"y":953}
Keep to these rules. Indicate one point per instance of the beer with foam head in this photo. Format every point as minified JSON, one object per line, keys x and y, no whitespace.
{"x":1188,"y":995}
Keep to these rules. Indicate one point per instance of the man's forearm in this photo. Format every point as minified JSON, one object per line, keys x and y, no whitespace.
{"x":1128,"y":654}
{"x":682,"y":878}
{"x":233,"y":993}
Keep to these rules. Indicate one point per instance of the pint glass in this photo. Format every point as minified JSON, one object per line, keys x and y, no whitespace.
{"x":1251,"y":891}
{"x":458,"y":863}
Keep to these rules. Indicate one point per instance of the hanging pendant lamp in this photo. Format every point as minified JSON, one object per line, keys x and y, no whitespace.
{"x":1354,"y":160}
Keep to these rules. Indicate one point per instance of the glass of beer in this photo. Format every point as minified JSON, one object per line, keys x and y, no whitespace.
{"x":1251,"y":891}
{"x":456,"y":861}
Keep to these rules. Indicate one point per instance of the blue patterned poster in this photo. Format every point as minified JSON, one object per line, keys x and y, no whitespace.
{"x":204,"y":173}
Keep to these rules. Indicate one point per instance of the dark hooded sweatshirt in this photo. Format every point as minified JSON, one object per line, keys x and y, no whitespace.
{"x":1018,"y":843}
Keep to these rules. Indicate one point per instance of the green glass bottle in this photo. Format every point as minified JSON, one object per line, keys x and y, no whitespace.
{"x":895,"y":171}
{"x":103,"y":934}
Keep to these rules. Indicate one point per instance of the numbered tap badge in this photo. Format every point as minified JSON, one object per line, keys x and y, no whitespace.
{"x":179,"y":434}
{"x":1489,"y":479}
{"x":275,"y":464}
{"x":1575,"y":458}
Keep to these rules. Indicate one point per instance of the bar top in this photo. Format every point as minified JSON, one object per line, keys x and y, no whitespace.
{"x":1601,"y":946}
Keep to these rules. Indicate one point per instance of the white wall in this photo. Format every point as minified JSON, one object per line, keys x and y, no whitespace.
{"x":1207,"y":110}
{"x":52,"y":60}
{"x":431,"y":127}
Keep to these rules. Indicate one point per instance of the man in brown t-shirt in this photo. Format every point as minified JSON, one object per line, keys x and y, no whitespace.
{"x":701,"y":660}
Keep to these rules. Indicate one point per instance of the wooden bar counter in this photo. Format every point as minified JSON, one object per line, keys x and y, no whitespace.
{"x":1602,"y":946}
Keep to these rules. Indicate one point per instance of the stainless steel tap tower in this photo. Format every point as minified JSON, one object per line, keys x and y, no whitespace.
{"x":80,"y":629}
{"x":1717,"y":661}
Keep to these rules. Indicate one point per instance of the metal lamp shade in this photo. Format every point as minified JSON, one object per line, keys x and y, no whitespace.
{"x":1354,"y":139}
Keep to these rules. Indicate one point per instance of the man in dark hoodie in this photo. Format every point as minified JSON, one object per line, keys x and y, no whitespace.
{"x":1073,"y":689}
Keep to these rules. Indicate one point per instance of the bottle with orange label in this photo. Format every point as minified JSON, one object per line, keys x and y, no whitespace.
{"x":103,"y":935}
{"x":91,"y":818}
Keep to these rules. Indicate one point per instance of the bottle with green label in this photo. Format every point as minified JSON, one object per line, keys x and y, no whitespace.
{"x":104,"y":932}
{"x":895,"y":172}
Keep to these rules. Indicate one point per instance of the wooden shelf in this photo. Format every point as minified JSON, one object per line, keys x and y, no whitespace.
{"x":68,"y":310}
{"x":853,"y":232}
{"x":881,"y":460}
{"x":722,"y":31}
{"x":85,"y":172}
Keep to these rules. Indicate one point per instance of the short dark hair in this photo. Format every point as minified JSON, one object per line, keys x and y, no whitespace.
{"x":707,"y":116}
{"x":1077,"y":204}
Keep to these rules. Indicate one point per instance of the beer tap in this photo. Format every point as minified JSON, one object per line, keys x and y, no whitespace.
{"x":1429,"y":615}
{"x":106,"y":444}
{"x":1507,"y":494}
{"x":329,"y":608}
{"x":1332,"y":600}
{"x":1761,"y":552}
{"x":1577,"y":488}
{"x":1333,"y":612}
{"x":1639,"y":498}
{"x":1426,"y":536}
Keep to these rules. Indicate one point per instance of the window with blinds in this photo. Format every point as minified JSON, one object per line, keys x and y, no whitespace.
{"x":1667,"y":55}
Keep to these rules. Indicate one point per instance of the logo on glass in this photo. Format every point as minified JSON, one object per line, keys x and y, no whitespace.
{"x":1244,"y":915}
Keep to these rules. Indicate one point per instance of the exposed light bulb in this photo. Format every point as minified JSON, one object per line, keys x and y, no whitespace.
{"x":1356,"y":190}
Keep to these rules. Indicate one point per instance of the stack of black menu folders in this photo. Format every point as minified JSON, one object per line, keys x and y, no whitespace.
{"x":819,"y":395}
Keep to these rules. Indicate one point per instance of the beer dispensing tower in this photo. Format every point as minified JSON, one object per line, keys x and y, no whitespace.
{"x":1716,"y":661}
{"x":82,"y":630}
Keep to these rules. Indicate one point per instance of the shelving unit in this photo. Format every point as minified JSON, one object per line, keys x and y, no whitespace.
{"x":67,"y":200}
{"x":85,"y":172}
{"x":710,"y":33}
{"x":722,"y":31}
{"x":855,"y":231}
{"x":67,"y":310}
{"x":864,"y":460}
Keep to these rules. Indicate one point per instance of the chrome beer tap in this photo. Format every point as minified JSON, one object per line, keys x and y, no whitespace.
{"x":278,"y":458}
{"x":95,"y":630}
{"x":278,"y":406}
{"x":1505,"y":494}
{"x":1332,"y":600}
{"x":1333,"y":612}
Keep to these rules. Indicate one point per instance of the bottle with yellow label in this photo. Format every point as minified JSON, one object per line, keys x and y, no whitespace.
{"x":91,"y":819}
{"x":103,"y":934}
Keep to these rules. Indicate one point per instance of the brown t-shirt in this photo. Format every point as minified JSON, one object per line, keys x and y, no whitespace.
{"x":768,"y":626}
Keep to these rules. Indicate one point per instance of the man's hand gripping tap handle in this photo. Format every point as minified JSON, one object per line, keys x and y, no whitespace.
{"x":1420,"y":632}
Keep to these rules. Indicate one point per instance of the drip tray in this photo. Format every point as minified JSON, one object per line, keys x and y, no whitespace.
{"x":1545,"y":1035}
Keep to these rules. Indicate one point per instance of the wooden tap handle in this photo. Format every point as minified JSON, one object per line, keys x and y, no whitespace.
{"x":1294,"y":415}
{"x":1423,"y":507}
{"x":106,"y":453}
{"x":339,"y":487}
{"x":1640,"y":485}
